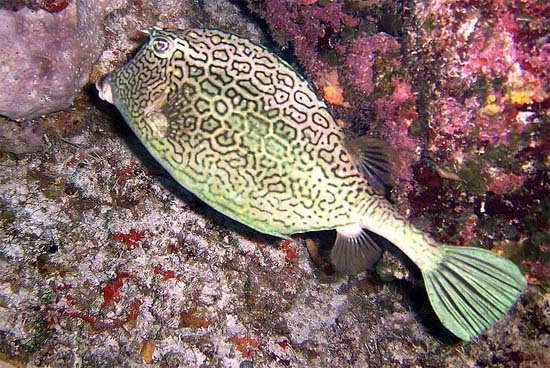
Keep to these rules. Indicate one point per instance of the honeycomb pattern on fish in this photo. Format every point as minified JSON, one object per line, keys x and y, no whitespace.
{"x":240,"y":128}
{"x":237,"y":126}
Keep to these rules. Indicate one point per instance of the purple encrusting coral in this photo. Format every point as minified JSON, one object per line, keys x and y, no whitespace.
{"x":492,"y":68}
{"x":305,"y":27}
{"x":488,"y":117}
{"x":373,"y":63}
{"x":361,"y":56}
{"x":393,"y":117}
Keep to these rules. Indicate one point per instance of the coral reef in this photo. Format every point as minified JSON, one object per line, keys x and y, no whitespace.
{"x":493,"y":74}
{"x":487,"y":119}
{"x":105,"y":261}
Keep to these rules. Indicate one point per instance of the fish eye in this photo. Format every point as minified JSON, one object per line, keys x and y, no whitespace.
{"x":162,"y":46}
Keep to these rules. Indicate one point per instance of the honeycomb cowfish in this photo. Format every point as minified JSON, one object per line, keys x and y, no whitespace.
{"x":236,"y":125}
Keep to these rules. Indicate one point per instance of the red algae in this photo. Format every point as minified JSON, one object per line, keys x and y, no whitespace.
{"x":290,"y":249}
{"x":505,"y":183}
{"x":166,"y":274}
{"x":492,"y":80}
{"x":245,"y":345}
{"x":190,"y":319}
{"x":131,"y":239}
{"x":305,"y":26}
{"x":111,"y":290}
{"x":55,"y":6}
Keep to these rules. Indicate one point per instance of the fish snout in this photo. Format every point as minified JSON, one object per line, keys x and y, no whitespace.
{"x":104,"y":89}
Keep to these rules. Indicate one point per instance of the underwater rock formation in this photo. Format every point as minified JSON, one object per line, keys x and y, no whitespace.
{"x":20,"y":137}
{"x":47,"y":57}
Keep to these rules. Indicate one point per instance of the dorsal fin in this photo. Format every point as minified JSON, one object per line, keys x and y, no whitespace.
{"x":374,"y":158}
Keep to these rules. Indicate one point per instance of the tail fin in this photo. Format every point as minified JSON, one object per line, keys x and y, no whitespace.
{"x":472,"y":288}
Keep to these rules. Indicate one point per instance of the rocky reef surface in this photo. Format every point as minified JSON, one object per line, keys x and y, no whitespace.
{"x":47,"y":55}
{"x":106,"y":261}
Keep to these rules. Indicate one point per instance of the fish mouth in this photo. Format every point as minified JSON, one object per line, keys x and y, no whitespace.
{"x":104,"y":89}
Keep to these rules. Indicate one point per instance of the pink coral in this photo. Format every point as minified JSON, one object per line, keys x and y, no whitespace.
{"x":361,"y":57}
{"x":393,"y":117}
{"x":305,"y":26}
{"x":491,"y":54}
{"x":486,"y":48}
{"x":503,"y":183}
{"x":451,"y":121}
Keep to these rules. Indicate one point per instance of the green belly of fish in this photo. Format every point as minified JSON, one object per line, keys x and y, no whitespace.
{"x":238,"y":127}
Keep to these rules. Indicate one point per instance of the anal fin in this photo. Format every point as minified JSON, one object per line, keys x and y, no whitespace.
{"x":354,"y":251}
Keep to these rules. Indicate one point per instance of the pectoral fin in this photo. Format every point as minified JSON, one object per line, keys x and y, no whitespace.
{"x":374,"y":158}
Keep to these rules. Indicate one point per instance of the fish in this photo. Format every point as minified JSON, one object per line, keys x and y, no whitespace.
{"x":240,"y":128}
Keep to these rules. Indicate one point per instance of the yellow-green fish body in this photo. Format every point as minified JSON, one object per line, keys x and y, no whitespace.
{"x":240,"y":128}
